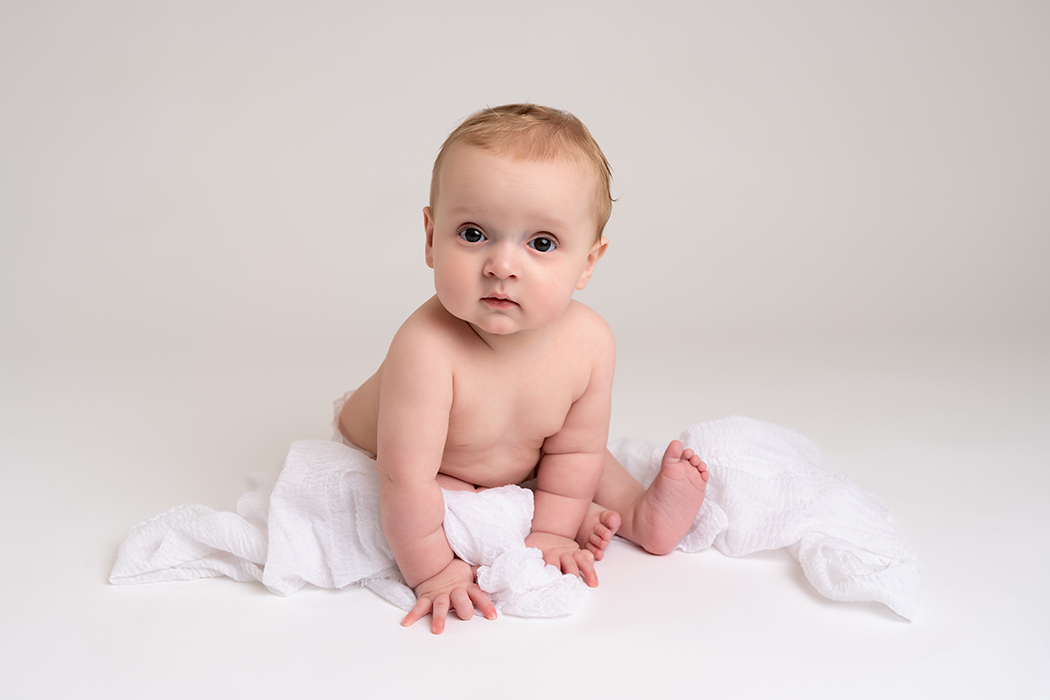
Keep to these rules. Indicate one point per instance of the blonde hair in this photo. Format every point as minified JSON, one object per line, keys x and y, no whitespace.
{"x":532,"y":132}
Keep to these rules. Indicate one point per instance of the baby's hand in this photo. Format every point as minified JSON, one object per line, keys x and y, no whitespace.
{"x":565,"y":554}
{"x":453,"y":587}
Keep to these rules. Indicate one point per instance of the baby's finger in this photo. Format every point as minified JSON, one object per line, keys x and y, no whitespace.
{"x":461,"y":602}
{"x":482,"y":602}
{"x":568,"y":564}
{"x":585,"y":561}
{"x":439,"y":613}
{"x":421,"y":608}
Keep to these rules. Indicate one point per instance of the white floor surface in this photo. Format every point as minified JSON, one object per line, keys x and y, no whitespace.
{"x":951,"y":434}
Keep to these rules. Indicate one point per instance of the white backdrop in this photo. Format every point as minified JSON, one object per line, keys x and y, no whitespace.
{"x":241,"y":173}
{"x":830,"y":214}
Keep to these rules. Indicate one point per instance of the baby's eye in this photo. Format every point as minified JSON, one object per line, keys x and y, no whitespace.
{"x":542,"y":244}
{"x":472,"y":235}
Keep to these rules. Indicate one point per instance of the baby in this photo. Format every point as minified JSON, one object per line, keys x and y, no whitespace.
{"x":501,"y":376}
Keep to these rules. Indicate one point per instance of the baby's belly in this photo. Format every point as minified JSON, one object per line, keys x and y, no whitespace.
{"x":493,"y":467}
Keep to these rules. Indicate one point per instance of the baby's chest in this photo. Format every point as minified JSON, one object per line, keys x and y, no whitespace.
{"x":506,"y":413}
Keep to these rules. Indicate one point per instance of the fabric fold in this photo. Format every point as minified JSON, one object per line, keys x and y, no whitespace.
{"x":770,"y":488}
{"x":317,"y":522}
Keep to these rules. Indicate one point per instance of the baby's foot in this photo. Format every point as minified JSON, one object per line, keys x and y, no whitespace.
{"x":665,"y":512}
{"x":597,"y":530}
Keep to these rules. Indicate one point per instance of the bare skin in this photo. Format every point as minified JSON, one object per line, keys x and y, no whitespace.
{"x":595,"y":533}
{"x":597,"y":530}
{"x":501,"y":375}
{"x":657,"y":518}
{"x":520,"y":442}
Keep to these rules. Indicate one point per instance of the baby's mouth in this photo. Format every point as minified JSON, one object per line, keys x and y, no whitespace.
{"x":499,"y":302}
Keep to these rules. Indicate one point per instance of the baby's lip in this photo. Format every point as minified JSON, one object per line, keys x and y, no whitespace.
{"x":499,"y":298}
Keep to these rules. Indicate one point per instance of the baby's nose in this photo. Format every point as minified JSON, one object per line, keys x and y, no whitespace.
{"x":503,"y":262}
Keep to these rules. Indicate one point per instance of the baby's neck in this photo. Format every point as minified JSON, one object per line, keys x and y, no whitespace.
{"x":519,"y":344}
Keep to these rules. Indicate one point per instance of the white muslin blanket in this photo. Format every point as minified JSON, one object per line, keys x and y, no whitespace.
{"x":317,"y":522}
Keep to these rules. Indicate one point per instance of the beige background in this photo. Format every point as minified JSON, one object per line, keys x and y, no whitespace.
{"x":830,"y":215}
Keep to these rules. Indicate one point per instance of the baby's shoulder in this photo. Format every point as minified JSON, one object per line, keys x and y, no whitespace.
{"x":430,"y":332}
{"x":584,"y":319}
{"x":586,"y":328}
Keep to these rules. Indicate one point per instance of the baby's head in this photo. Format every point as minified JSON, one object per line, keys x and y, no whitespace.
{"x":532,"y":132}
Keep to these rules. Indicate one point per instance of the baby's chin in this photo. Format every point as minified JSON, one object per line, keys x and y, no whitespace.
{"x":502,"y":328}
{"x":497,"y":329}
{"x":487,"y":324}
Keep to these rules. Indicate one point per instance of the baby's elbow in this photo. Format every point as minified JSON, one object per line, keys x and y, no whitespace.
{"x":406,"y":482}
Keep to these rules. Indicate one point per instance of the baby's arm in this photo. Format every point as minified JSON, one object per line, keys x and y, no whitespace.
{"x":415,"y":400}
{"x":572,"y":464}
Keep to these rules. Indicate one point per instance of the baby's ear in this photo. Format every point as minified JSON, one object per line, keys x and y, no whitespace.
{"x":428,"y":226}
{"x":597,"y":251}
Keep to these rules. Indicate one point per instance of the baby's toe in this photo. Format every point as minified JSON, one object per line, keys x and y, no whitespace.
{"x":673,"y":453}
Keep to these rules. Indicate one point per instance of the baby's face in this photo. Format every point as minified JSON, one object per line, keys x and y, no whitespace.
{"x":510,"y":240}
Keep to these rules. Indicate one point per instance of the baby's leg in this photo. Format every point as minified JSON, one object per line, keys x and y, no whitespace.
{"x":656,"y":518}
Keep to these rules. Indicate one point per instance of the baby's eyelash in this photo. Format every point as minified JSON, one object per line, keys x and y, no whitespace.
{"x":543,"y":244}
{"x":471,"y":234}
